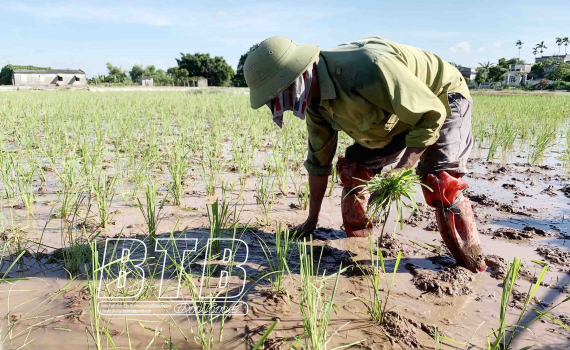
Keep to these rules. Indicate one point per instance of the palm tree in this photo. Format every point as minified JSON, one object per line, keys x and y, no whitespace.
{"x":541,"y":47}
{"x":484,"y":69}
{"x":519,"y":44}
{"x":566,"y":42}
{"x":535,"y":51}
{"x":559,"y":42}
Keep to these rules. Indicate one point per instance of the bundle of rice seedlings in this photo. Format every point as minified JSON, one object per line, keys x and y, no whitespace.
{"x":388,"y":190}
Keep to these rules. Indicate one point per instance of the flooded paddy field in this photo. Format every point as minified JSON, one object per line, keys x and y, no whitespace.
{"x":78,"y":168}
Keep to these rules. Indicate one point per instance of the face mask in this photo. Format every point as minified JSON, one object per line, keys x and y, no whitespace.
{"x":293,"y":98}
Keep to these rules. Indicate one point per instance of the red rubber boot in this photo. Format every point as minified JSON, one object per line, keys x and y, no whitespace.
{"x":353,"y":205}
{"x":455,"y":219}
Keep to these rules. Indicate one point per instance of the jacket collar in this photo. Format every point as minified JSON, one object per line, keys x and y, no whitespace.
{"x":326,"y":85}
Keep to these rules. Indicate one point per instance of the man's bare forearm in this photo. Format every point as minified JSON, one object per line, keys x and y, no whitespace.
{"x":317,"y":190}
{"x":410,"y":157}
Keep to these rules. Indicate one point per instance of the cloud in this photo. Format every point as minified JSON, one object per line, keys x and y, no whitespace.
{"x":481,"y":49}
{"x":496,"y":44}
{"x":460,"y":47}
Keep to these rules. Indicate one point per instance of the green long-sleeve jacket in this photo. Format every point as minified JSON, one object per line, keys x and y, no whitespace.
{"x":374,"y":89}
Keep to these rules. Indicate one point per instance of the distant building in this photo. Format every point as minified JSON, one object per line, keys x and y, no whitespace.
{"x":146,"y":81}
{"x":198,"y":82}
{"x":517,"y":74}
{"x":556,"y":58}
{"x":24,"y":77}
{"x":467,"y":72}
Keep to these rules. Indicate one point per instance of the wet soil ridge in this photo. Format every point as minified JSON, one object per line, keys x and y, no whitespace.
{"x":486,"y":201}
{"x":526,"y":233}
{"x":554,"y":255}
{"x":400,"y":329}
{"x":453,"y":281}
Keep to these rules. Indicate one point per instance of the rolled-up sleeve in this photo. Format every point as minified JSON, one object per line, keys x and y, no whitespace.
{"x":412,"y":101}
{"x":323,"y":140}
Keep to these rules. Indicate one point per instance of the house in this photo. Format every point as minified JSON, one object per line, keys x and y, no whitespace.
{"x":517,"y":74}
{"x":60,"y":77}
{"x":146,"y":81}
{"x":198,"y":82}
{"x":556,"y":58}
{"x":467,"y":72}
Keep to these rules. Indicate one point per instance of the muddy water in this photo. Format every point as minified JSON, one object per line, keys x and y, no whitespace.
{"x":49,"y":310}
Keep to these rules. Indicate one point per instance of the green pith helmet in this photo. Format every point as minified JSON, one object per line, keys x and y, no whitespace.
{"x":274,"y":65}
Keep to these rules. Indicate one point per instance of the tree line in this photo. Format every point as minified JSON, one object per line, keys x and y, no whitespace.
{"x":189,"y":67}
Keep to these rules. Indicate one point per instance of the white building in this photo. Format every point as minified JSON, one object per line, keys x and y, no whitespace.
{"x":517,"y":74}
{"x":146,"y":81}
{"x":59,"y":77}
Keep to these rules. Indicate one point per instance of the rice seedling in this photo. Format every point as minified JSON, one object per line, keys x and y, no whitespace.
{"x":545,"y":138}
{"x":7,"y":175}
{"x":504,"y":334}
{"x":93,"y":286}
{"x":210,"y":168}
{"x":177,"y":167}
{"x":264,"y":194}
{"x":104,"y":188}
{"x":277,"y":264}
{"x":150,"y":213}
{"x":69,"y":192}
{"x":220,"y":216}
{"x":24,"y":179}
{"x":302,"y":194}
{"x":387,"y":191}
{"x":315,"y":305}
{"x":377,"y":303}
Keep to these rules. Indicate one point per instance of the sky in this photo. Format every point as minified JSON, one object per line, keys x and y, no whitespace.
{"x":88,"y":34}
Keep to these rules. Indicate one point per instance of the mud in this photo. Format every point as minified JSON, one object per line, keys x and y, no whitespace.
{"x":400,"y":329}
{"x":526,"y":233}
{"x":428,"y":286}
{"x":453,"y":281}
{"x":555,"y":256}
{"x":518,"y":300}
{"x":486,"y":201}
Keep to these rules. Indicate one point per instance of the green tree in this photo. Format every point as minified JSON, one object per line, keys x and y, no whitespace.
{"x":497,"y":73}
{"x":566,"y":42}
{"x":159,"y":76}
{"x":519,"y":45}
{"x":538,"y":69}
{"x":559,"y":42}
{"x":179,"y":75}
{"x":136,"y":72}
{"x":239,"y":79}
{"x":541,"y":47}
{"x":483,"y":72}
{"x":150,"y":71}
{"x":503,"y":62}
{"x":560,"y":72}
{"x":116,"y":75}
{"x":216,"y":69}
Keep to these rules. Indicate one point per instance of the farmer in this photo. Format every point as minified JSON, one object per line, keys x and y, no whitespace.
{"x":400,"y":104}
